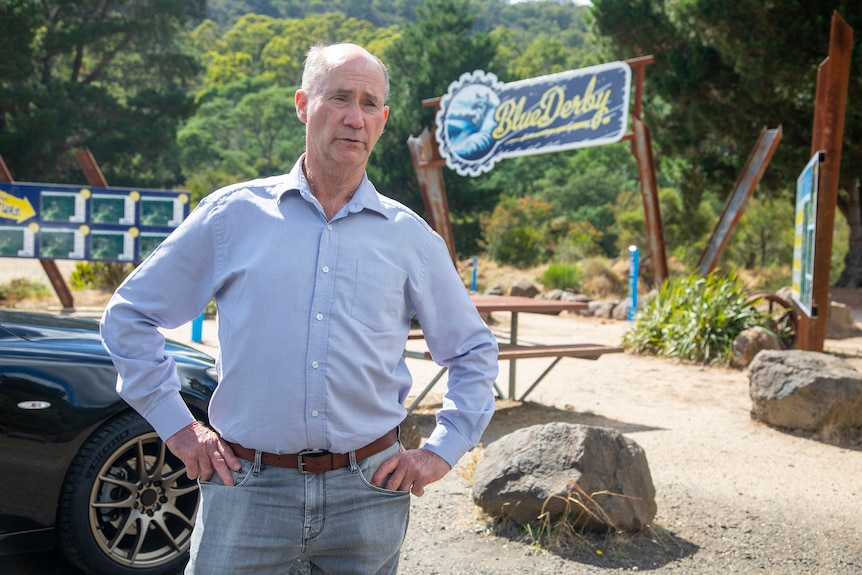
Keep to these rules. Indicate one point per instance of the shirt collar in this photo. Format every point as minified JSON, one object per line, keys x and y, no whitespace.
{"x":365,"y":197}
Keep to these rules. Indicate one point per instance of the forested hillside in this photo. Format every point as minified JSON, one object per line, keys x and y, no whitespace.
{"x":194,"y":94}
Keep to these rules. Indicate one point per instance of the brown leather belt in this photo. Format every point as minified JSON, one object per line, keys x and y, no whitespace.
{"x":316,"y":460}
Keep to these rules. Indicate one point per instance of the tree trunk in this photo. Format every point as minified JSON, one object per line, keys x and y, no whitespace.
{"x":851,"y":276}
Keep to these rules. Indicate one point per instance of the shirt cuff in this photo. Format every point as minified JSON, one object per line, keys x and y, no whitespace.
{"x":169,"y":416}
{"x":447,"y":444}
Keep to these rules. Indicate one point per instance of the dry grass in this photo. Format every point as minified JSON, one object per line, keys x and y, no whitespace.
{"x":599,"y":278}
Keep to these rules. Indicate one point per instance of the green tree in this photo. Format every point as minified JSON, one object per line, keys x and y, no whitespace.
{"x":423,"y":61}
{"x":724,"y":70}
{"x":519,"y":231}
{"x":112,"y":77}
{"x":246,"y":130}
{"x":268,"y":117}
{"x":585,"y":184}
{"x":763,"y":238}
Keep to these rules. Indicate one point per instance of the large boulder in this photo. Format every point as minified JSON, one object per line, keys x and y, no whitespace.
{"x":805,"y":390}
{"x":592,"y":476}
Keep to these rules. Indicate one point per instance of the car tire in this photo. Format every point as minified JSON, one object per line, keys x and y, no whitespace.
{"x":127,"y":506}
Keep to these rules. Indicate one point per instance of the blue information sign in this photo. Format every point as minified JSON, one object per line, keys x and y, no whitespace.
{"x":54,"y":221}
{"x":804,"y":234}
{"x":482,"y":120}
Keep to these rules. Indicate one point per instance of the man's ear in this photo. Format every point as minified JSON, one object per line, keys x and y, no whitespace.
{"x":301,"y":100}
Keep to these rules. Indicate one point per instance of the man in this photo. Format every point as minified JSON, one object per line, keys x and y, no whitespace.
{"x":316,"y":278}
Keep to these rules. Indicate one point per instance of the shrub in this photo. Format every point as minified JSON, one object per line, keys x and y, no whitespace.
{"x":99,"y":275}
{"x":578,"y":240}
{"x":19,"y":289}
{"x":565,"y":276}
{"x":518,"y":231}
{"x":695,"y":318}
{"x":600,"y":279}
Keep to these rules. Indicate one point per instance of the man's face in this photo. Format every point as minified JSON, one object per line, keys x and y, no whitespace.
{"x":345,"y":114}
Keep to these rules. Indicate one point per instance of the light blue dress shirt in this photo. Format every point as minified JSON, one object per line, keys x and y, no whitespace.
{"x":313,"y":317}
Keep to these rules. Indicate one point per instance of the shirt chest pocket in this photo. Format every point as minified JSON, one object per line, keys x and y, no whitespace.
{"x":378,"y":295}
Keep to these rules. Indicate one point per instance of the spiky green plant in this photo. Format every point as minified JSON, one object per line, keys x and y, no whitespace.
{"x":695,"y":318}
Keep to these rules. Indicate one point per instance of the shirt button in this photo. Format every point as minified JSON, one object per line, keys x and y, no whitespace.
{"x":326,"y":269}
{"x":329,"y":227}
{"x":319,"y":316}
{"x":314,"y":413}
{"x":315,"y":365}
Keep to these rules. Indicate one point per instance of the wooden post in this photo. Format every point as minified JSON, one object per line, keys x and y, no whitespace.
{"x":831,"y":101}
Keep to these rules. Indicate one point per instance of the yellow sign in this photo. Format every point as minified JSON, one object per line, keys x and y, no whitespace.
{"x":18,"y":209}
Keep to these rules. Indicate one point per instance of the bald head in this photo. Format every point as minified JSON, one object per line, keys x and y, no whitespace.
{"x":322,"y":59}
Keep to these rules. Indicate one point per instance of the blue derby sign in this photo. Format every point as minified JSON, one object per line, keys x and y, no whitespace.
{"x":482,"y":120}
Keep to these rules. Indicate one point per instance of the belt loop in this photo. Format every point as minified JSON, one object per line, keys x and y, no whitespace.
{"x":255,"y":468}
{"x":354,"y":466}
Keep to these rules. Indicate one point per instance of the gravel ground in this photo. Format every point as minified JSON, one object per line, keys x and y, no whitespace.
{"x":734,"y":495}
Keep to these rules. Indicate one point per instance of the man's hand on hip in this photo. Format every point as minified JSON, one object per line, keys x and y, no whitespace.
{"x":203,"y":451}
{"x":411,"y":471}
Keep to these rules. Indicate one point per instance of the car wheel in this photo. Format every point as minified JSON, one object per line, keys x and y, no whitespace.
{"x":127,"y":506}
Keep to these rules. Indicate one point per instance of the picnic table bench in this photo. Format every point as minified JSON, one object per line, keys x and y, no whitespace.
{"x":512,"y":350}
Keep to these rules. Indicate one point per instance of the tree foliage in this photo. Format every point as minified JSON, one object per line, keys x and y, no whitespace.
{"x":111,"y":76}
{"x":126,"y":83}
{"x":724,"y":70}
{"x":439,"y":47}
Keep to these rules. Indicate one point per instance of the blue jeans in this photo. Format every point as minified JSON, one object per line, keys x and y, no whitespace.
{"x":273,"y":515}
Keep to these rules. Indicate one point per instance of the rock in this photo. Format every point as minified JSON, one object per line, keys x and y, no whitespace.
{"x":561,"y":469}
{"x":564,"y":295}
{"x":805,"y":390}
{"x":751,"y":341}
{"x":602,"y":308}
{"x":621,"y":310}
{"x":523,"y":288}
{"x":839,"y":322}
{"x":495,"y":290}
{"x":554,"y":295}
{"x":570,"y":296}
{"x":409,"y":433}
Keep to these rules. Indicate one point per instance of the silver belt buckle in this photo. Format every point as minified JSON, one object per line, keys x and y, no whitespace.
{"x":300,"y":461}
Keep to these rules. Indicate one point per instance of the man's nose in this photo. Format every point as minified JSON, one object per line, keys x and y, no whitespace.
{"x":354,"y":117}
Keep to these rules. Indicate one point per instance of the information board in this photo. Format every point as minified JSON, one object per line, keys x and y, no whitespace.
{"x":804,"y":234}
{"x":55,"y":221}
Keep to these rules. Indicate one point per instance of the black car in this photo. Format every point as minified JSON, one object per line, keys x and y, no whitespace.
{"x":81,"y":470}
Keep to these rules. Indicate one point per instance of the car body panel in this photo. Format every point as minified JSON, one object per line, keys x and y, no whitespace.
{"x":57,"y":386}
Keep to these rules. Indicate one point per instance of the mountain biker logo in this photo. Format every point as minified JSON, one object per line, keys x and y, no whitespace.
{"x":481,"y":120}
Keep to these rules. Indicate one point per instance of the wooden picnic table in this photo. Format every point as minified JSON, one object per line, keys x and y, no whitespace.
{"x":512,"y":350}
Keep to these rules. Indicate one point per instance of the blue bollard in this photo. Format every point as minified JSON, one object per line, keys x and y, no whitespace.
{"x":198,"y":329}
{"x":475,"y":267}
{"x":634,"y":273}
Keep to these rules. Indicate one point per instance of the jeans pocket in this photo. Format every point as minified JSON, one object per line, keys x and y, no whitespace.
{"x":368,"y":467}
{"x":240,"y":477}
